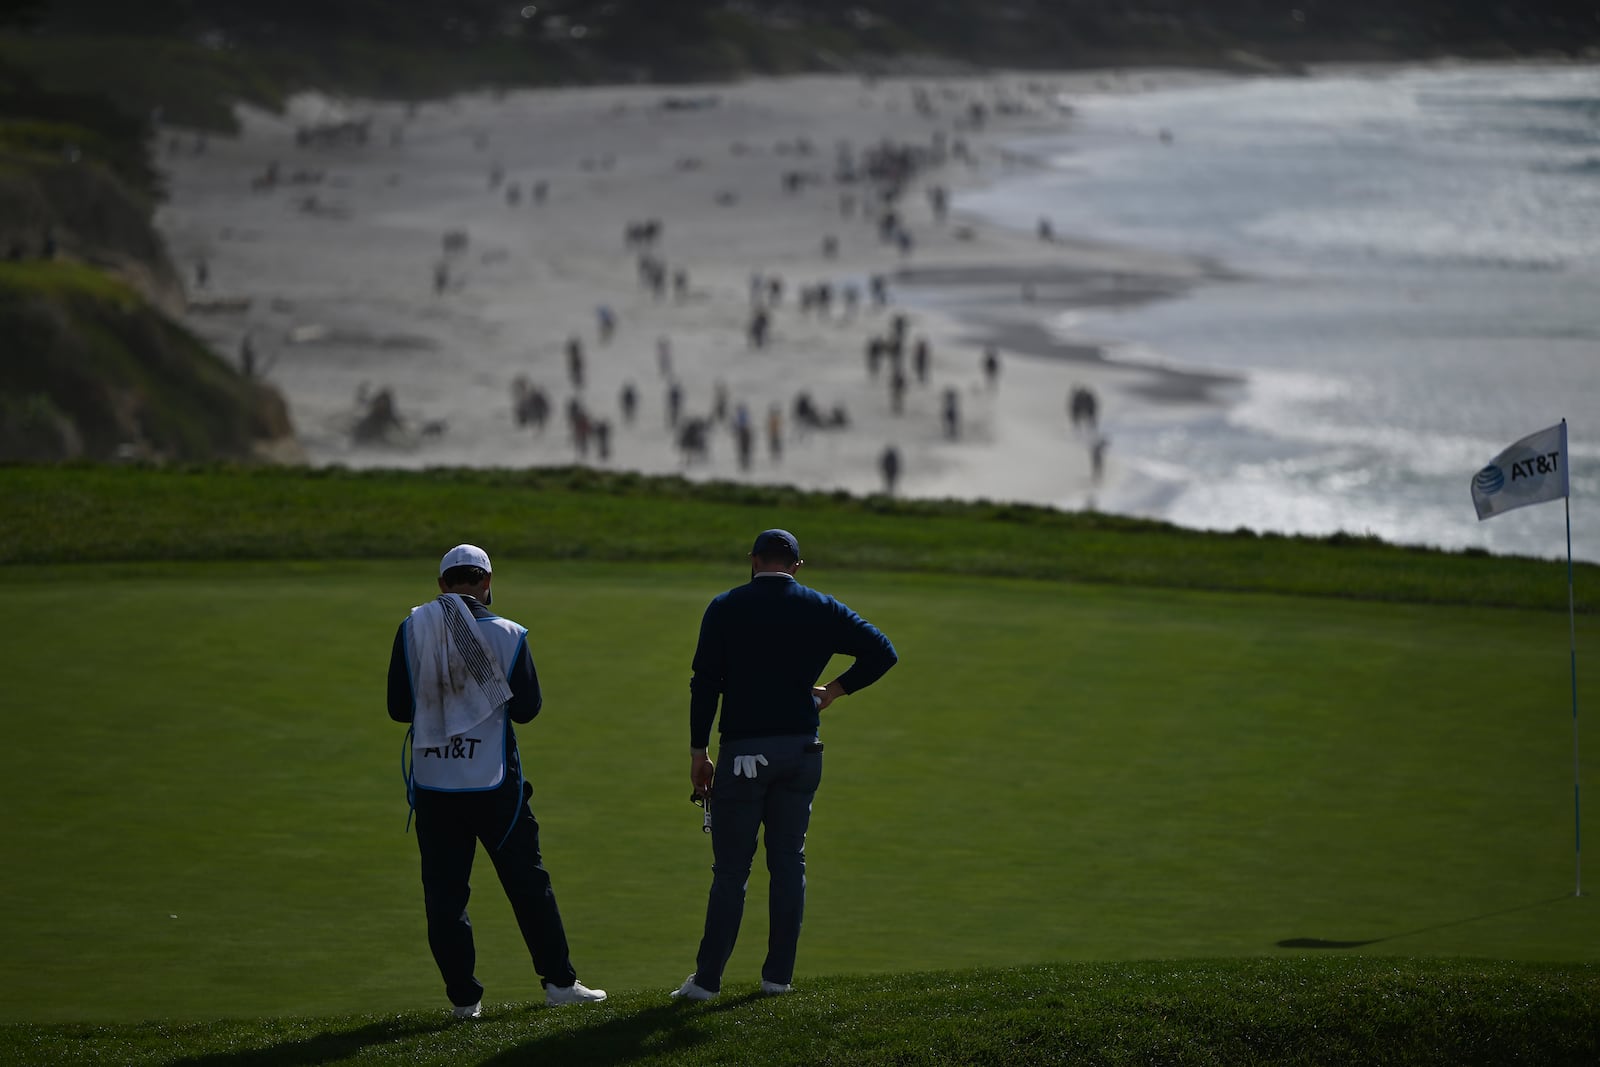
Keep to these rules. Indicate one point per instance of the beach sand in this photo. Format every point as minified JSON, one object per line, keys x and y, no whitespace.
{"x":330,"y":272}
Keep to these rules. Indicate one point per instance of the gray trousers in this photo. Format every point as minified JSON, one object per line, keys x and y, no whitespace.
{"x":779,"y":797}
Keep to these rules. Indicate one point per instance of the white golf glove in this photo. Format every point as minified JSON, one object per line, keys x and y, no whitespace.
{"x":746,"y":765}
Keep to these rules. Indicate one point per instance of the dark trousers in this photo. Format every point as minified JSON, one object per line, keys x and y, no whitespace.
{"x":449,"y":827}
{"x":779,"y":797}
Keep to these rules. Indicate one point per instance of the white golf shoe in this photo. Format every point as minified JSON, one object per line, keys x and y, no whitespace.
{"x":775,"y":988}
{"x":576,"y":993}
{"x":689,"y":991}
{"x":468,"y":1011}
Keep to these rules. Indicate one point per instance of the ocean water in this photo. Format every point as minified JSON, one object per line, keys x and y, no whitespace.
{"x":1418,"y":253}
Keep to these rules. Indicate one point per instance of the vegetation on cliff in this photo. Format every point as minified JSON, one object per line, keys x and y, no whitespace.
{"x":92,"y":371}
{"x":95,"y":365}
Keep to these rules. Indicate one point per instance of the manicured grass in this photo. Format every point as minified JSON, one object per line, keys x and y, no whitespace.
{"x":1227,"y":1012}
{"x":204,"y":814}
{"x":219,"y":513}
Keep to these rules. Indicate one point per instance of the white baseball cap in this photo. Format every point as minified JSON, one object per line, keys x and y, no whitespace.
{"x":467,"y":556}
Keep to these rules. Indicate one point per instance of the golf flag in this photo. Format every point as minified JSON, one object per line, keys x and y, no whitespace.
{"x":1529,"y":472}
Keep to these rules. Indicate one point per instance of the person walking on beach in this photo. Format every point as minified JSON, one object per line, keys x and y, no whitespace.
{"x":991,"y":366}
{"x":575,"y":362}
{"x":461,"y":675}
{"x":674,"y":404}
{"x":247,"y":355}
{"x":775,"y":432}
{"x":897,"y":392}
{"x":889,"y":464}
{"x":756,"y":331}
{"x":920,"y":360}
{"x":952,"y":414}
{"x":762,"y":647}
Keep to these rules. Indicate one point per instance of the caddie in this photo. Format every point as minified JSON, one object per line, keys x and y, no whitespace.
{"x":461,"y":675}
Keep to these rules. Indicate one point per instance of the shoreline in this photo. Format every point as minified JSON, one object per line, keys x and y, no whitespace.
{"x":327,"y":272}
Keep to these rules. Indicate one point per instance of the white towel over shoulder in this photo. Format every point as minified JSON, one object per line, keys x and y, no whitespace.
{"x":455,"y":677}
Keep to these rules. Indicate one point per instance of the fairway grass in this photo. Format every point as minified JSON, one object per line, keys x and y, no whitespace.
{"x":205,"y":819}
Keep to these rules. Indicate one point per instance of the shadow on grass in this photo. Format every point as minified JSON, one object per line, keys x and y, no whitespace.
{"x":1317,"y":942}
{"x":322,"y":1048}
{"x":655,"y":1031}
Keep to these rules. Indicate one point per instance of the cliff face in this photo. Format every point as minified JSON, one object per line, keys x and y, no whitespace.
{"x":89,"y":370}
{"x":58,"y":206}
{"x":93,"y":364}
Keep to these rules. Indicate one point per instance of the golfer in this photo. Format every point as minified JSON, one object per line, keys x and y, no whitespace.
{"x":762,"y":647}
{"x":460,"y":675}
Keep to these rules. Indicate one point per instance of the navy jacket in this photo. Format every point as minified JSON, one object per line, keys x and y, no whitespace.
{"x":763,"y":645}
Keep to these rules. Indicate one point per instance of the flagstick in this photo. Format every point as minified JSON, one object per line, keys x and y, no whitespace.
{"x":1572,"y":633}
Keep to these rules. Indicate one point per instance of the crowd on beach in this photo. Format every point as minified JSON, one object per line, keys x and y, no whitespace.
{"x":890,"y":193}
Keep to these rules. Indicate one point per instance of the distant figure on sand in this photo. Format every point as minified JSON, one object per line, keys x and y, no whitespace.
{"x":575,"y":362}
{"x":889,"y":464}
{"x":1082,"y":407}
{"x":952,"y":414}
{"x":529,"y":404}
{"x":757,"y":329}
{"x":875,"y":347}
{"x":629,"y":401}
{"x":605,"y":322}
{"x":380,"y":419}
{"x":991,"y":366}
{"x":1097,"y":458}
{"x":664,"y":356}
{"x":674,"y":404}
{"x":694,"y":439}
{"x":920,"y":360}
{"x":897,"y":392}
{"x":806,"y":414}
{"x":775,"y":432}
{"x":745,"y":435}
{"x":579,"y":423}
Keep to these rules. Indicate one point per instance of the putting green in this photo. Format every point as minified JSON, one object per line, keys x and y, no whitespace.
{"x":204,"y":814}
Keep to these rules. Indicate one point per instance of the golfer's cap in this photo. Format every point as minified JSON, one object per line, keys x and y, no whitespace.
{"x":775,"y":544}
{"x":465,"y":556}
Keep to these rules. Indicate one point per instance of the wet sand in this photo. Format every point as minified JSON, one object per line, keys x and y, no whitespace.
{"x":331,"y":271}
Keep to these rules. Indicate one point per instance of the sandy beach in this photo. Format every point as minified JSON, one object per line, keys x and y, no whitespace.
{"x":333,"y":264}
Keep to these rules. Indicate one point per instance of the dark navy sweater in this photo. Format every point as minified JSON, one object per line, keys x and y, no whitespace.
{"x":763,"y":645}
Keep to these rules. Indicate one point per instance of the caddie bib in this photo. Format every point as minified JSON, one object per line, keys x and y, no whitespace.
{"x":472,"y":762}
